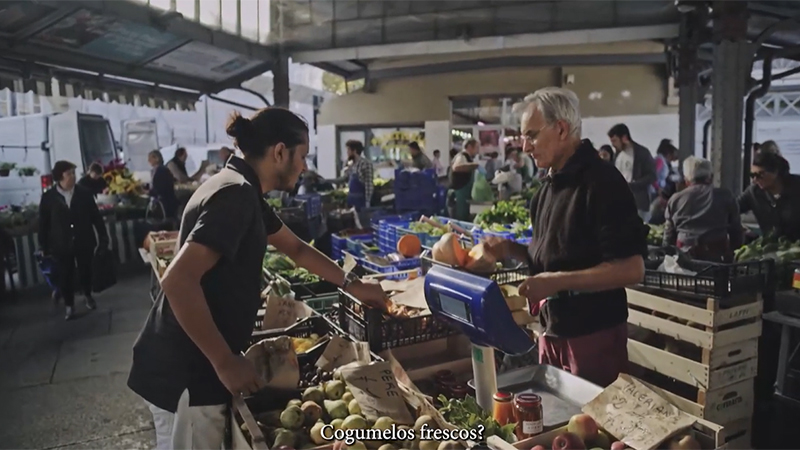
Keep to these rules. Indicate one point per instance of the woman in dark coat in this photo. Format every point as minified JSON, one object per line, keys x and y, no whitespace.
{"x":68,"y":220}
{"x":162,"y":185}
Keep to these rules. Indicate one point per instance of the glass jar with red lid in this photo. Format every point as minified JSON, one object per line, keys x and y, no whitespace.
{"x":529,"y":415}
{"x":503,"y":407}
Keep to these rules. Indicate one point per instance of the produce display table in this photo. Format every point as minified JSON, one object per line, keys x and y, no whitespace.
{"x":790,"y":326}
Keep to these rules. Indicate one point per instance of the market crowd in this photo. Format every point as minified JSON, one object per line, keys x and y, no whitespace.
{"x":588,"y":243}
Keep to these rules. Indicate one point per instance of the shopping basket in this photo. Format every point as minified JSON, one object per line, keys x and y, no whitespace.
{"x":47,"y":267}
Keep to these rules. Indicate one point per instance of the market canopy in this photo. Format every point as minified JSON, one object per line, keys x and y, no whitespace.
{"x":345,"y":36}
{"x":121,"y":48}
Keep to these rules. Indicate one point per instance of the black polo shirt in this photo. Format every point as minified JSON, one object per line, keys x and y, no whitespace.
{"x":582,"y":216}
{"x":227,"y":214}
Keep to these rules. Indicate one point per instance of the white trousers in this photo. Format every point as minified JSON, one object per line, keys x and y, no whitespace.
{"x":195,"y":428}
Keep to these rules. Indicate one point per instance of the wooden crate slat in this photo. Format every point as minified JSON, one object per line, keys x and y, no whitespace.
{"x":729,"y":354}
{"x":666,"y":363}
{"x":730,"y":404}
{"x":700,"y":338}
{"x":727,"y":376}
{"x":697,"y":315}
{"x":737,"y":313}
{"x":738,"y":334}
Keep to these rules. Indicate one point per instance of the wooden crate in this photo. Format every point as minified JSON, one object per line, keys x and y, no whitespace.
{"x":722,"y":343}
{"x":739,"y":434}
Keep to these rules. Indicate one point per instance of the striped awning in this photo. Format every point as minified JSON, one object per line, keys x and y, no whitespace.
{"x":152,"y":96}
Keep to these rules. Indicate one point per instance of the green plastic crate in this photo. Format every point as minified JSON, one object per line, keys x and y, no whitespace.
{"x":323,"y":303}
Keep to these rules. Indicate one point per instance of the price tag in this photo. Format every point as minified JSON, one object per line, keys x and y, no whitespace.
{"x":340,"y":351}
{"x":375,"y":388}
{"x":636,"y":415}
{"x":279,"y":312}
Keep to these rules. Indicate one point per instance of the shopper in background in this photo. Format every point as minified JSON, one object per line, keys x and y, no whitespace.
{"x":68,"y":220}
{"x":93,"y":181}
{"x":491,"y":166}
{"x":162,"y":186}
{"x":358,"y":175}
{"x":606,"y":153}
{"x":462,"y":176}
{"x":770,"y":147}
{"x":703,"y":220}
{"x":187,"y":361}
{"x":774,"y":196}
{"x":666,"y":180}
{"x":587,"y":245}
{"x":516,"y":163}
{"x":418,"y":159}
{"x":636,"y":164}
{"x":440,"y":168}
{"x":225,"y":154}
{"x":177,"y":166}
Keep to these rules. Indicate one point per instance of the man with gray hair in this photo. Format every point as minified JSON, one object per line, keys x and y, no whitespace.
{"x":587,"y":244}
{"x":701,"y":219}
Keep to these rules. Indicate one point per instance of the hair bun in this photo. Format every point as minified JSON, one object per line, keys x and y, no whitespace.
{"x":239,"y":127}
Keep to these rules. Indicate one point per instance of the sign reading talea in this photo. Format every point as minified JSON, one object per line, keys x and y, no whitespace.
{"x":636,"y":415}
{"x":375,"y":388}
{"x":340,"y":351}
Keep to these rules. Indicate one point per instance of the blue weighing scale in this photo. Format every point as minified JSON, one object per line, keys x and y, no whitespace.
{"x":477,"y":306}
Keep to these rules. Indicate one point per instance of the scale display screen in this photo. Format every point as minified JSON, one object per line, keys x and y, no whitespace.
{"x":455,"y":307}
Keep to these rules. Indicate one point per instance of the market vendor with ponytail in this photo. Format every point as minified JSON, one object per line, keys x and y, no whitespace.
{"x":462,"y":176}
{"x":588,"y":243}
{"x":359,"y":177}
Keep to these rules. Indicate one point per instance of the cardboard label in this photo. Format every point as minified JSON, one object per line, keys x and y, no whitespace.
{"x":282,"y":312}
{"x":636,"y":415}
{"x":399,"y":372}
{"x":377,"y":392}
{"x":340,"y":351}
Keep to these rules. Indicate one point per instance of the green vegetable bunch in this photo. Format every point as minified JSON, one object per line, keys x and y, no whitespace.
{"x":655,"y":236}
{"x":781,"y":250}
{"x":275,"y":203}
{"x":467,"y":414}
{"x":504,"y":213}
{"x":423,"y":227}
{"x":282,"y":265}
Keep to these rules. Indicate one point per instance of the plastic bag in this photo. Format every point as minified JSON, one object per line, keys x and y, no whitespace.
{"x":482,"y":190}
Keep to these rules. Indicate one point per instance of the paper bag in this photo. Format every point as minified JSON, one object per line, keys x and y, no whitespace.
{"x":413,"y":294}
{"x":281,"y":312}
{"x":276,"y":362}
{"x":636,"y":415}
{"x":340,"y":352}
{"x":375,"y":388}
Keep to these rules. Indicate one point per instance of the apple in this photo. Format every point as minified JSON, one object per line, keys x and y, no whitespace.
{"x":617,"y":445}
{"x":538,"y":447}
{"x":584,"y":426}
{"x":568,"y":441}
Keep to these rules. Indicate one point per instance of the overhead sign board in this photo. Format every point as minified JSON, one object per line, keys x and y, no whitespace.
{"x":16,"y":16}
{"x":106,"y":37}
{"x":201,"y":60}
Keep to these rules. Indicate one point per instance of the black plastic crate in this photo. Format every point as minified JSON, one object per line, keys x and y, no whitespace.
{"x":382,"y":331}
{"x":713,"y":279}
{"x":304,"y":328}
{"x":508,"y":275}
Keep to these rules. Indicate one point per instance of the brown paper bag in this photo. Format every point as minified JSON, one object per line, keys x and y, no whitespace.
{"x":399,"y":372}
{"x":636,"y":415}
{"x":276,"y":362}
{"x":340,"y":352}
{"x":375,"y":388}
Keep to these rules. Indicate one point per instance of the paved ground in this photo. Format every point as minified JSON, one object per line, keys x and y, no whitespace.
{"x":62,"y":384}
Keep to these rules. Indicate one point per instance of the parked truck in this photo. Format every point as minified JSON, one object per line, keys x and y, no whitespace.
{"x":33,"y":143}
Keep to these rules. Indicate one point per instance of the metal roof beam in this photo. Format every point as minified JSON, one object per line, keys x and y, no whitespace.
{"x":171,"y":22}
{"x":529,"y":40}
{"x":507,"y":62}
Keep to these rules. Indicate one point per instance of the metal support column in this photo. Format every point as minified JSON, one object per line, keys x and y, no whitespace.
{"x":280,"y":80}
{"x":688,"y":88}
{"x":733,"y":60}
